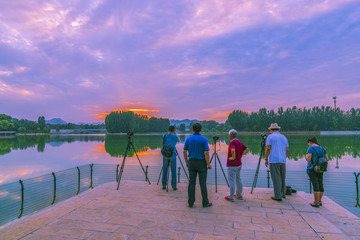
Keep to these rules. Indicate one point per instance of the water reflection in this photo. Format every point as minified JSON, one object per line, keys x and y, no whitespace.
{"x":336,"y":146}
{"x":39,"y":141}
{"x":34,"y":155}
{"x":115,"y":145}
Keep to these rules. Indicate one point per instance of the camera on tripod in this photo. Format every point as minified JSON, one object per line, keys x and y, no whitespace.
{"x":263,"y":135}
{"x":130,"y":133}
{"x":215,"y":138}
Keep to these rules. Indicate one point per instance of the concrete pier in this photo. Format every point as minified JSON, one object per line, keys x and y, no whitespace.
{"x":142,"y":211}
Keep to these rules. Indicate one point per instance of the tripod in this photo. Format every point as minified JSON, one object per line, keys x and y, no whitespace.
{"x":167,"y":179}
{"x":263,"y":135}
{"x":130,"y":146}
{"x":216,"y":157}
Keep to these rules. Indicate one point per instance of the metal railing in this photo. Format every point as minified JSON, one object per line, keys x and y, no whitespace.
{"x":27,"y":196}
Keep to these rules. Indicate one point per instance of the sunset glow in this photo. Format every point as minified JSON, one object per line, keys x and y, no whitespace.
{"x":140,"y":111}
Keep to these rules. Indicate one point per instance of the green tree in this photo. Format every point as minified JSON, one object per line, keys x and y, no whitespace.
{"x":182,"y":127}
{"x":238,"y":120}
{"x":41,"y":122}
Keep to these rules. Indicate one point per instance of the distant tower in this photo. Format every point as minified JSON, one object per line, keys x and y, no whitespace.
{"x":334,"y":102}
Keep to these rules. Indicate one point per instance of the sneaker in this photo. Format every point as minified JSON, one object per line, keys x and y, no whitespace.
{"x":276,"y":199}
{"x":174,"y":188}
{"x":239,"y":198}
{"x":164,"y":187}
{"x":191,"y":205}
{"x":229,"y":199}
{"x":207,"y":205}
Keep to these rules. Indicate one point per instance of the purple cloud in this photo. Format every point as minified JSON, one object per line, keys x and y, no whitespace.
{"x":201,"y":59}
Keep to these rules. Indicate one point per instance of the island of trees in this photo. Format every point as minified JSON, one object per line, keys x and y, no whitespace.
{"x":120,"y":122}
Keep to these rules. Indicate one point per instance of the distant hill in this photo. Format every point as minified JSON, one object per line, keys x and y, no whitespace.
{"x":185,"y":121}
{"x":55,"y":121}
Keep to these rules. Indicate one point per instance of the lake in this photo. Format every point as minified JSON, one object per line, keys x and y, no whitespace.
{"x":24,"y":157}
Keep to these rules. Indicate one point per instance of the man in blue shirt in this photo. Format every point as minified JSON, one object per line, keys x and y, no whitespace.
{"x":277,"y":147}
{"x":198,"y":163}
{"x":170,"y":139}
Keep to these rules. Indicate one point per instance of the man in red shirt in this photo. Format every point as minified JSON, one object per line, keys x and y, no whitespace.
{"x":236,"y":150}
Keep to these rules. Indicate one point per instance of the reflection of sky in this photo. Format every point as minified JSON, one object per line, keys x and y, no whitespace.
{"x":179,"y":59}
{"x":22,"y":164}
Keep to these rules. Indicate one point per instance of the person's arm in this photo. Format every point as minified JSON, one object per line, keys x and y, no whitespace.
{"x":326,"y":157}
{"x":267,"y":154}
{"x":207,"y":159}
{"x":186,"y":157}
{"x":245,"y":151}
{"x":233,"y":154}
{"x":287,"y":152}
{"x":308,"y":155}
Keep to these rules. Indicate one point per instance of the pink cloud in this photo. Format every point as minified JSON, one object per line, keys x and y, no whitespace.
{"x":213,"y":18}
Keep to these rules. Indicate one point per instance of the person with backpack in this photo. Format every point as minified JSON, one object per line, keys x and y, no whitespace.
{"x":317,"y":164}
{"x":169,"y":157}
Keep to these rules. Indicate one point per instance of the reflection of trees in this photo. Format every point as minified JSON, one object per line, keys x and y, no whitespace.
{"x":336,"y":146}
{"x":39,"y":141}
{"x":115,"y":145}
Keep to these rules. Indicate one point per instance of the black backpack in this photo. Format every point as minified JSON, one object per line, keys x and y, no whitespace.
{"x":166,"y":151}
{"x":320,"y":165}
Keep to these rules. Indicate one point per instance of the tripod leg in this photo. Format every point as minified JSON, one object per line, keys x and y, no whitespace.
{"x":122,"y":165}
{"x":132,"y":145}
{"x":168,"y":174}
{"x":182,"y":165}
{"x":215,"y":175}
{"x":258,"y":167}
{"x":211,"y":158}
{"x":217,"y":156}
{"x":160,"y":175}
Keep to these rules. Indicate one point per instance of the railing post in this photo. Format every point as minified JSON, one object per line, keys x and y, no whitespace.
{"x":78,"y":180}
{"x":146,"y":172}
{"x":117,"y":173}
{"x":91,"y":175}
{"x":179,"y":174}
{"x":22,"y":198}
{"x":268,"y":178}
{"x":54,"y":188}
{"x":357,"y":189}
{"x":310,"y":186}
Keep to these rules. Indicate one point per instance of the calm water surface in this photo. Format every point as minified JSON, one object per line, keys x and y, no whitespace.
{"x":24,"y":157}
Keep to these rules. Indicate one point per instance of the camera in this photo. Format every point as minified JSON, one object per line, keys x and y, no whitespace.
{"x":215,"y":138}
{"x":130,"y":133}
{"x":263,"y":135}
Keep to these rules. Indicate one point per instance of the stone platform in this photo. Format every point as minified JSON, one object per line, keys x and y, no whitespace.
{"x":141,"y":211}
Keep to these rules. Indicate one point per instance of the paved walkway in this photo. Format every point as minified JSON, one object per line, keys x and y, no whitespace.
{"x":142,"y":211}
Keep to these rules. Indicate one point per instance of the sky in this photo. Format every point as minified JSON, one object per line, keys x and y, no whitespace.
{"x":79,"y":60}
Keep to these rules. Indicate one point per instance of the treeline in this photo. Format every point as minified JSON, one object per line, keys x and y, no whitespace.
{"x":7,"y":123}
{"x":121,"y":122}
{"x":297,"y":119}
{"x":212,"y":126}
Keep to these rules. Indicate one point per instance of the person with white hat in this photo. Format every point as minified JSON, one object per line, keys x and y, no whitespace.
{"x":276,"y":152}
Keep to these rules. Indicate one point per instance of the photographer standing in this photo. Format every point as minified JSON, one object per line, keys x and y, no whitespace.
{"x":198,"y":163}
{"x":277,"y":147}
{"x":170,"y":139}
{"x":236,"y":150}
